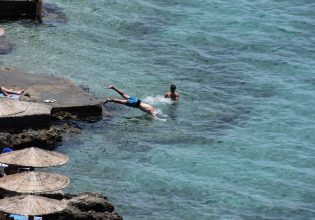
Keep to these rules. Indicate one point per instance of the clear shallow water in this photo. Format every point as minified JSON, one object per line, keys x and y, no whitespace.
{"x":239,"y":145}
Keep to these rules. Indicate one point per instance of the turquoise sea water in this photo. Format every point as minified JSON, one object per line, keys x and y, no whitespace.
{"x":239,"y":145}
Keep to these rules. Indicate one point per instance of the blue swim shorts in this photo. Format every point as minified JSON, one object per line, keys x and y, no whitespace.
{"x":133,"y":102}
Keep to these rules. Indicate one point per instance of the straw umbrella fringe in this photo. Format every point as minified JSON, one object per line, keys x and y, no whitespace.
{"x":34,"y":157}
{"x":34,"y":182}
{"x":31,"y":205}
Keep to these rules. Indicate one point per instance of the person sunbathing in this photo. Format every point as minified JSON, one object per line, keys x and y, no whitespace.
{"x":7,"y":92}
{"x":131,"y":101}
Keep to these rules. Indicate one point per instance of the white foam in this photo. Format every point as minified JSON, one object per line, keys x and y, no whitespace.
{"x":158,"y":115}
{"x":160,"y":119}
{"x":157,"y":100}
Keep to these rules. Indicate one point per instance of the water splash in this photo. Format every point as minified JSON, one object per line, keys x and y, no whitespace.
{"x":157,"y":100}
{"x":160,"y":116}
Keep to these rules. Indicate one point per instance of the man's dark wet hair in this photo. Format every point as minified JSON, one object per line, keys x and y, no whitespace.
{"x":173,"y":87}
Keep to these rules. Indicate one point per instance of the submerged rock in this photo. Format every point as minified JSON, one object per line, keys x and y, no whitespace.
{"x":53,"y":14}
{"x":84,"y":206}
{"x":5,"y":45}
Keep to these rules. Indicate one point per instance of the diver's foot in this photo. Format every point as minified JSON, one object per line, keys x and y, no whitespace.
{"x":110,"y":87}
{"x":106,"y":100}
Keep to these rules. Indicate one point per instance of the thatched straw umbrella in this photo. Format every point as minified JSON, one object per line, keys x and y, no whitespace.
{"x":34,"y":157}
{"x":31,"y":205}
{"x":34,"y":182}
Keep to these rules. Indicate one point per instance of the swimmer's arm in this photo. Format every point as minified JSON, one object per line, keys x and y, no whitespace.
{"x":177,"y":97}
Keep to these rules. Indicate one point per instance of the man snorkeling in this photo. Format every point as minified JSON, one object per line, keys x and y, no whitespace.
{"x":131,"y":101}
{"x":172,"y":94}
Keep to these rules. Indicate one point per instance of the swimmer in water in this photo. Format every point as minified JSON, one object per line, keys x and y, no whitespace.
{"x":172,"y":94}
{"x":131,"y":101}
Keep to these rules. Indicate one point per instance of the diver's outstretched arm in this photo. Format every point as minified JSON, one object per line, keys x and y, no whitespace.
{"x":120,"y":92}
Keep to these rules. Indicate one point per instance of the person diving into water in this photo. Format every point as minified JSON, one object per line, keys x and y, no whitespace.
{"x":131,"y":101}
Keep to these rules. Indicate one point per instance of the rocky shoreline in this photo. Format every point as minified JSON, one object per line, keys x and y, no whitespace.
{"x":83,"y":206}
{"x":5,"y":45}
{"x":47,"y":139}
{"x":62,"y":124}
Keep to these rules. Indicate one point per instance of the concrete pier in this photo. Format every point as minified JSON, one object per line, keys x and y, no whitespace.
{"x":17,"y":114}
{"x":13,"y":9}
{"x":69,"y":97}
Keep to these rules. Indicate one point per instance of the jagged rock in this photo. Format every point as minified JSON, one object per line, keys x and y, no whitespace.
{"x":47,"y":139}
{"x":85,"y":206}
{"x":62,"y":115}
{"x":53,"y":14}
{"x":44,"y":138}
{"x":91,"y":201}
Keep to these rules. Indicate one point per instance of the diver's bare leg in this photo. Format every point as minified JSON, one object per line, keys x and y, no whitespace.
{"x":118,"y":101}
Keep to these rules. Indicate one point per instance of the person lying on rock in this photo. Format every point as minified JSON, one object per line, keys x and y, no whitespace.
{"x":131,"y":101}
{"x":6,"y":91}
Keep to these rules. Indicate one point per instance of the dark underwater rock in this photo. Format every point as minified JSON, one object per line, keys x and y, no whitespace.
{"x":53,"y":14}
{"x":5,"y":45}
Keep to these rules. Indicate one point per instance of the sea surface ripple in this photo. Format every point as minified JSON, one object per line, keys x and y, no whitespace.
{"x":238,"y":145}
